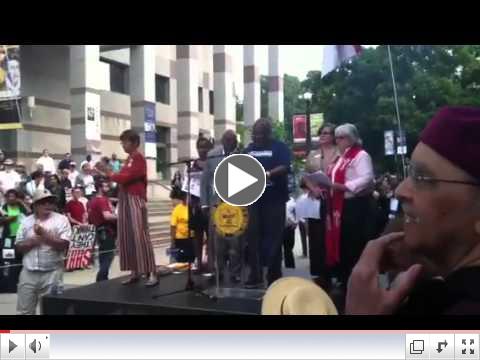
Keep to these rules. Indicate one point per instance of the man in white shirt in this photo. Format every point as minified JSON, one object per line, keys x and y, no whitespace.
{"x":42,"y":239}
{"x":9,"y":179}
{"x":47,"y":162}
{"x":37,"y":182}
{"x":86,"y":180}
{"x":73,"y":173}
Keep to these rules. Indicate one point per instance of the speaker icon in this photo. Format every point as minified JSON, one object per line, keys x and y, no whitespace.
{"x":35,"y":346}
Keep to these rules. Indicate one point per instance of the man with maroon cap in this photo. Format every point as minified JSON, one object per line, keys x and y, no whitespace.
{"x":437,"y":257}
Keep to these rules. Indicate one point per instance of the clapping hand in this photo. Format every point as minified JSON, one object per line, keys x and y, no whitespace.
{"x":39,"y":230}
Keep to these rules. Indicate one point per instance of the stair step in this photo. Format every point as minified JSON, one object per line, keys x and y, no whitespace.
{"x":160,"y":211}
{"x":162,"y":233}
{"x":160,"y":243}
{"x":159,"y":227}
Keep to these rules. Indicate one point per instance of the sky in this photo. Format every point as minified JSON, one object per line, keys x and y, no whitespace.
{"x":296,"y":60}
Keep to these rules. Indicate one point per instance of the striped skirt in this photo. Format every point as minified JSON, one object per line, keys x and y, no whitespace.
{"x":136,"y":250}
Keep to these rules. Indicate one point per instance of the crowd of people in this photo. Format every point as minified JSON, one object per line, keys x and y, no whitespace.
{"x":38,"y":211}
{"x":431,"y":258}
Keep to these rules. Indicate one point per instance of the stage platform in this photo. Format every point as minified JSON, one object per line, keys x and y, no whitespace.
{"x":111,"y":298}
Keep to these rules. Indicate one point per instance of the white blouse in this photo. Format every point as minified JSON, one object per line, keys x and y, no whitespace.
{"x":359,"y":174}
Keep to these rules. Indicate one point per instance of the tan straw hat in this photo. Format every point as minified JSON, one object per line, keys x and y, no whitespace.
{"x":297,"y":296}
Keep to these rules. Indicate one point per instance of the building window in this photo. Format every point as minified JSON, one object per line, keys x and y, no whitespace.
{"x":200,"y":99}
{"x":163,"y":135}
{"x":210,"y":98}
{"x":119,"y":77}
{"x":162,"y":89}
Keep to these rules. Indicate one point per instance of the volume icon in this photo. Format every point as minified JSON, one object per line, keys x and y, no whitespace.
{"x":35,"y":346}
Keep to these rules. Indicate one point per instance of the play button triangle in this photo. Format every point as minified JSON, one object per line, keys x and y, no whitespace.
{"x":11,"y":346}
{"x":238,"y":180}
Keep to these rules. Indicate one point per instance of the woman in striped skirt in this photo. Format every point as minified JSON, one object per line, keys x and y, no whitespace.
{"x":136,"y":251}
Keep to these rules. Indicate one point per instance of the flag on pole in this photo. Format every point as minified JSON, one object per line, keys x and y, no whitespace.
{"x":335,"y":55}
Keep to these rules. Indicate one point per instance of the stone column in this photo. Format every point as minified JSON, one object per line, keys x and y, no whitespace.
{"x":142,"y":95}
{"x":187,"y":101}
{"x":251,"y":79}
{"x":224,"y":101}
{"x":275,"y":84}
{"x":85,"y":101}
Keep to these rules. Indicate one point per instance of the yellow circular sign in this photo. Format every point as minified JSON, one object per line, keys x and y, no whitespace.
{"x":230,"y":220}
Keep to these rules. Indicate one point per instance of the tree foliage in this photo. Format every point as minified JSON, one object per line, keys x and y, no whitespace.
{"x":361,"y":92}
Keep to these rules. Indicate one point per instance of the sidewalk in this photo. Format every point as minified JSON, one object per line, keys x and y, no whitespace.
{"x":84,"y":277}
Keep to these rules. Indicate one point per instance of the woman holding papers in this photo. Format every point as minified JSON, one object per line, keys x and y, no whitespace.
{"x":318,"y":163}
{"x":348,"y":219}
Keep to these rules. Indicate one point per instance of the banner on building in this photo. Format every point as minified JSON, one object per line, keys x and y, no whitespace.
{"x":10,"y":86}
{"x":80,"y":253}
{"x":93,"y":131}
{"x":389,"y":142}
{"x":299,"y":123}
{"x":150,"y":131}
{"x":10,"y":75}
{"x":10,"y":115}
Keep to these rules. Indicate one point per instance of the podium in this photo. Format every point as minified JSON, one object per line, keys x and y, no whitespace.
{"x":229,"y":224}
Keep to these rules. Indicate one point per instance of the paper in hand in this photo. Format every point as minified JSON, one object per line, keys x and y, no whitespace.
{"x":319,"y":178}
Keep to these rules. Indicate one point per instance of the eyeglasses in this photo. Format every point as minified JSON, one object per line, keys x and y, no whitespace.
{"x":326,"y":133}
{"x":419,"y":179}
{"x":340,"y":137}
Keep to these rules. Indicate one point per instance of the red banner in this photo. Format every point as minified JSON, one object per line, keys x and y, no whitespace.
{"x":299,"y":123}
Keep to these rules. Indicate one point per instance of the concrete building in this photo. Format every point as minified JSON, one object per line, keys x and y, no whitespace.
{"x":86,"y":95}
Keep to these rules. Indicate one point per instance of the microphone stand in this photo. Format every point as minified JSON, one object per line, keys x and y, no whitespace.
{"x":190,"y":285}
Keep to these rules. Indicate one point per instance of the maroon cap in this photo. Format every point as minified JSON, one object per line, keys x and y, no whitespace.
{"x":454,"y":133}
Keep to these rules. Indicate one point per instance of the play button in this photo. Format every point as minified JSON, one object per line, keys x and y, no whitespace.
{"x":239,"y":180}
{"x":11,"y":346}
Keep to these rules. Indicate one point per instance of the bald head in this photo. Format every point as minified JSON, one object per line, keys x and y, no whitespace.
{"x":229,"y":141}
{"x":262,"y":132}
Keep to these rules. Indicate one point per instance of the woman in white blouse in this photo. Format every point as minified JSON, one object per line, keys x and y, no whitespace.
{"x":349,"y":216}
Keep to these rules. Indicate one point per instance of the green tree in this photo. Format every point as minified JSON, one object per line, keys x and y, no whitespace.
{"x":427,"y":78}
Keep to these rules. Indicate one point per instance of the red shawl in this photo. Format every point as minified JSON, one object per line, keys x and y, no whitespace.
{"x":334,"y":213}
